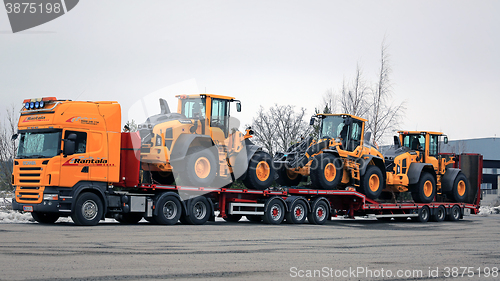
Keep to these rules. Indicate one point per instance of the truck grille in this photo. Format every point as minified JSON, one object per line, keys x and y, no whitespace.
{"x":29,"y":174}
{"x":31,"y":194}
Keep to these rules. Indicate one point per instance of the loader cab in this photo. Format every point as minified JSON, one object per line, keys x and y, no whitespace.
{"x":346,"y":128}
{"x":425,"y":143}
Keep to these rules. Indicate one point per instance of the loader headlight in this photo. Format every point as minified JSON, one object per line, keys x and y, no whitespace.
{"x":158,"y":140}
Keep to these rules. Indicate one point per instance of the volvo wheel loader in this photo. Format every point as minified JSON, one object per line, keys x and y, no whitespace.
{"x":199,"y":146}
{"x":414,"y":164}
{"x":342,"y":156}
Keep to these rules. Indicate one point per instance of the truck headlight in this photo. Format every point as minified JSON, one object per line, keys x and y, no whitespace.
{"x":49,"y":197}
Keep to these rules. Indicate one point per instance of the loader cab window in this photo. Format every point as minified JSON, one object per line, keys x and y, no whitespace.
{"x":80,"y":142}
{"x":433,"y":145}
{"x":354,"y":135}
{"x":331,"y":127}
{"x":220,"y":112}
{"x":193,"y":108}
{"x":414,"y":142}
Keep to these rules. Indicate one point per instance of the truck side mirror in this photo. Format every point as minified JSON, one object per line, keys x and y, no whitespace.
{"x":238,"y":106}
{"x":69,"y":145}
{"x":14,"y":137}
{"x":311,"y":122}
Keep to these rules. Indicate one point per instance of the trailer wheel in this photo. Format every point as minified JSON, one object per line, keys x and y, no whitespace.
{"x":274,"y":212}
{"x":129,"y":218}
{"x":319,"y":212}
{"x":87,"y":210}
{"x":372,"y":182}
{"x":254,"y":218}
{"x":199,"y":211}
{"x":423,"y":214}
{"x":287,"y":177}
{"x":46,"y":218}
{"x":169,"y":210}
{"x":326,"y":171}
{"x":297,"y":213}
{"x":438,"y":214}
{"x":201,"y":166}
{"x":460,"y":188}
{"x":454,"y":214}
{"x":425,"y":189}
{"x":233,"y":218}
{"x":260,"y":172}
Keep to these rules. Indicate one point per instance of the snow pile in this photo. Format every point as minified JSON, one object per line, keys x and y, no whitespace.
{"x":10,"y":216}
{"x":488,"y":210}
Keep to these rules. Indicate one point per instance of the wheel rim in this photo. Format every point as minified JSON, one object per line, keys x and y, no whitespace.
{"x":320,"y":213}
{"x":169,"y":210}
{"x":202,"y":167}
{"x":298,"y":212}
{"x":441,"y":213}
{"x":330,"y":172}
{"x":456,"y":213}
{"x":461,"y":188}
{"x":374,"y":183}
{"x":275,"y":212}
{"x":291,"y":175}
{"x":424,"y":214}
{"x":428,"y":188}
{"x":199,"y":210}
{"x":90,"y":210}
{"x":262,"y":170}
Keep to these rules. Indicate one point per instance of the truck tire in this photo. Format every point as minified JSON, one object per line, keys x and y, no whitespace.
{"x":423,"y":214}
{"x":319,"y":212}
{"x":260,"y":172}
{"x":439,"y":214}
{"x":460,"y":188}
{"x":372,"y":182}
{"x":254,"y":218}
{"x":425,"y":190}
{"x":326,"y":171}
{"x":297,"y":213}
{"x":287,"y":177}
{"x":274,"y":212}
{"x":46,"y":218}
{"x":199,"y":211}
{"x":233,"y":218}
{"x":201,"y":167}
{"x":88,"y":209}
{"x":169,"y":211}
{"x":454,"y":214}
{"x":129,"y":218}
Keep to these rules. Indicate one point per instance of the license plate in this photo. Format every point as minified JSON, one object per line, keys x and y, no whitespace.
{"x":28,"y":208}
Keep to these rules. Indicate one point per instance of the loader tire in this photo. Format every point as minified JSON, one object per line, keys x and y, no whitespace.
{"x":201,"y":167}
{"x":260,"y":173}
{"x":372,"y":182}
{"x":326,"y":171}
{"x":287,"y":177}
{"x":425,"y":190}
{"x":460,"y":188}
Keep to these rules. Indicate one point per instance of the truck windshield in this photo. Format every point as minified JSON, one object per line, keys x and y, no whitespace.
{"x":194,"y":108}
{"x":332,"y":127}
{"x":39,"y":144}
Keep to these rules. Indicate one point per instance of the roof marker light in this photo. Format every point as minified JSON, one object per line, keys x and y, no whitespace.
{"x":42,"y":103}
{"x":32,"y":105}
{"x":37,"y":104}
{"x":27,"y":105}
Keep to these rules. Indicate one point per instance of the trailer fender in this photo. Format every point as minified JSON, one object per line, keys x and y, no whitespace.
{"x":158,"y":198}
{"x":271,"y":199}
{"x":416,"y":169}
{"x":448,"y":179}
{"x":292,"y":199}
{"x":181,"y":148}
{"x":212,"y":210}
{"x":88,"y":186}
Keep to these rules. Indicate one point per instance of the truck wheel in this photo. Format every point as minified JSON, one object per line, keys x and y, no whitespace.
{"x":326,"y":171}
{"x":47,"y":218}
{"x":297,"y":213}
{"x":275,"y":212}
{"x":254,"y":218}
{"x":233,"y":218}
{"x":372,"y":182}
{"x":260,"y":173}
{"x":319,"y":212}
{"x":129,"y":218}
{"x":454,"y":214}
{"x":423,"y":215}
{"x":287,"y":177}
{"x":87,"y":210}
{"x":425,"y":190}
{"x":200,"y":168}
{"x":439,"y":214}
{"x":460,"y":188}
{"x":169,"y":210}
{"x":199,"y":211}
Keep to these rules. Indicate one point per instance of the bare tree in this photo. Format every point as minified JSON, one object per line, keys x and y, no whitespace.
{"x":279,"y":127}
{"x":382,"y":116}
{"x":353,"y":95}
{"x":130,"y":126}
{"x":329,"y":102}
{"x":8,"y":147}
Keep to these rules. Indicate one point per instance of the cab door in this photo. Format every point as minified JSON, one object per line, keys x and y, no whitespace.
{"x":219,"y":120}
{"x":75,"y":167}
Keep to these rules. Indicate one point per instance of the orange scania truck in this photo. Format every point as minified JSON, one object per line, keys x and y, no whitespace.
{"x":73,"y":160}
